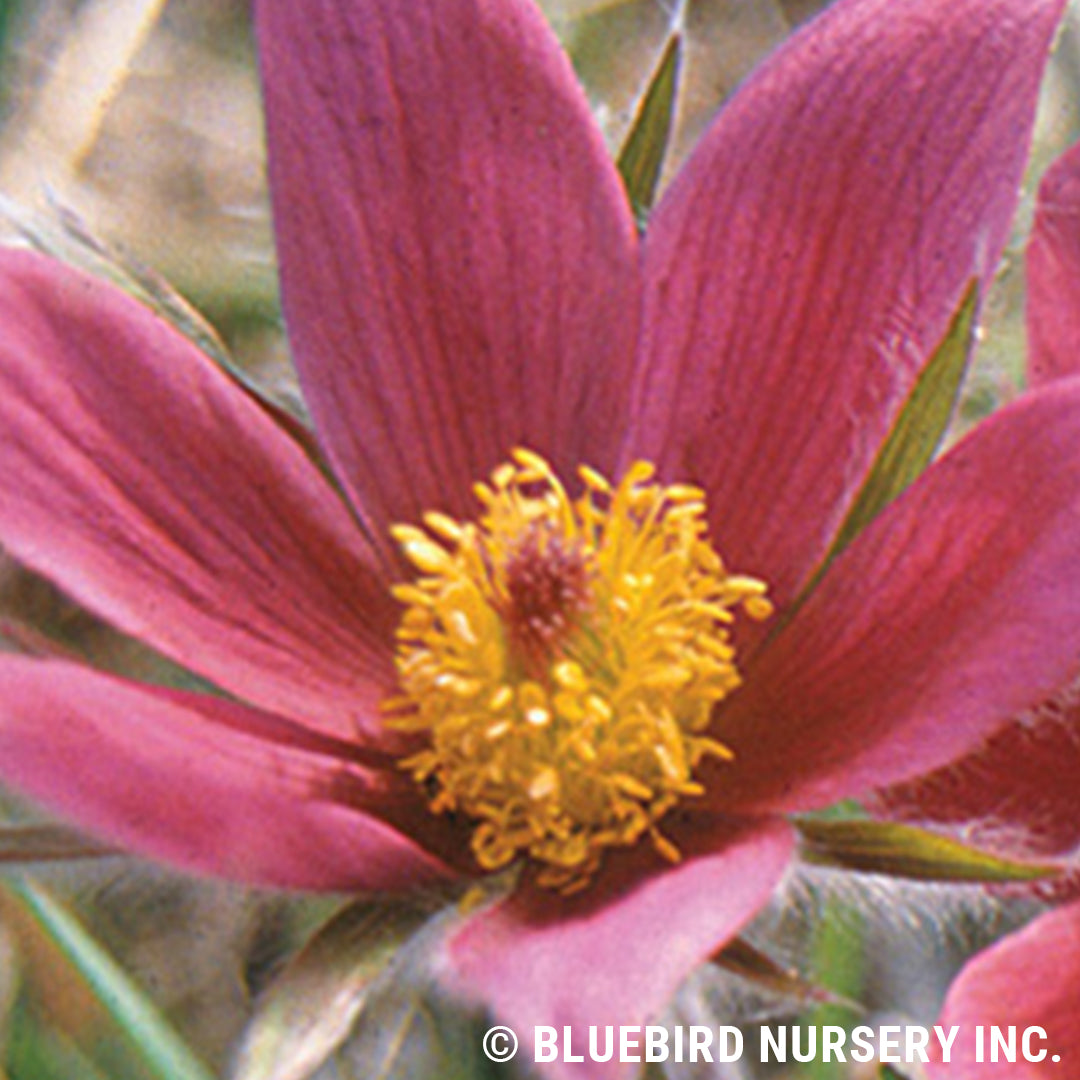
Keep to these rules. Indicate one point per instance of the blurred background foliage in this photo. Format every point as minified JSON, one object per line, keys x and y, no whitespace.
{"x":142,"y":117}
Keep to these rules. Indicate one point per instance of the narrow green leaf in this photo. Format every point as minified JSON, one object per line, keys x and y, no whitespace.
{"x":722,"y":41}
{"x":910,"y":445}
{"x":641,"y":158}
{"x":838,"y":958}
{"x":919,"y":428}
{"x":29,"y":639}
{"x":162,"y":1050}
{"x":885,"y":847}
{"x":311,"y":1007}
{"x":10,"y":15}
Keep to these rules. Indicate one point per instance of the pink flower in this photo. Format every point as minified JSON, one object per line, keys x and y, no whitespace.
{"x":1029,"y":980}
{"x":461,"y":276}
{"x":1017,"y":793}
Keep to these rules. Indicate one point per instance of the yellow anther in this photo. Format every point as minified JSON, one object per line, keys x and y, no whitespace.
{"x":569,"y":707}
{"x":758,"y":607}
{"x":666,"y":848}
{"x":532,"y":463}
{"x":738,"y":585}
{"x":423,"y":553}
{"x":668,"y":677}
{"x":593,"y":479}
{"x":442,"y":526}
{"x":570,"y":676}
{"x":537,"y":716}
{"x":716,"y":749}
{"x":410,"y":594}
{"x":545,"y":783}
{"x":563,"y":657}
{"x":500,"y":699}
{"x":628,"y":785}
{"x":638,"y":473}
{"x":457,"y":622}
{"x":503,"y":476}
{"x":533,"y":704}
{"x":684,"y":493}
{"x":599,"y":709}
{"x":586,"y":751}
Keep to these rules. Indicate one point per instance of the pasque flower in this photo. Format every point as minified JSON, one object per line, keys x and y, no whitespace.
{"x":422,"y":679}
{"x":1017,"y":792}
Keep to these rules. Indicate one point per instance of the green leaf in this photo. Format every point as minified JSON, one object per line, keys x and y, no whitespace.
{"x":910,"y":445}
{"x":160,"y":1048}
{"x":920,"y":427}
{"x":838,"y":958}
{"x":722,"y":42}
{"x":311,"y":1007}
{"x":30,"y":639}
{"x":641,"y":158}
{"x":885,"y":847}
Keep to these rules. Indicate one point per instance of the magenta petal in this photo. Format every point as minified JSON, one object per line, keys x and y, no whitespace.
{"x":542,"y":959}
{"x":1053,"y":274}
{"x":199,"y":782}
{"x":810,"y":256}
{"x":1018,"y":793}
{"x":954,"y":611}
{"x":142,"y":481}
{"x":1029,"y":979}
{"x":458,"y":261}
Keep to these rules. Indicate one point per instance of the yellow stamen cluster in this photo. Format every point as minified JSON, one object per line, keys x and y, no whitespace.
{"x":563,"y":658}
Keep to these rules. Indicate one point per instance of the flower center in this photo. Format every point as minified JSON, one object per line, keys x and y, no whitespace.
{"x":562,"y":658}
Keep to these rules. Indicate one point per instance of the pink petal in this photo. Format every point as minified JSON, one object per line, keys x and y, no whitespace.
{"x":615,"y":958}
{"x":459,"y":264}
{"x":199,"y":782}
{"x":1053,"y":274}
{"x":811,"y":254}
{"x":143,"y":482}
{"x":1030,"y":979}
{"x":1017,"y":793}
{"x":955,"y":610}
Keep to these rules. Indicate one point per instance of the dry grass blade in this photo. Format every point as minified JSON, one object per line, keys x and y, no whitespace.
{"x":23,"y":844}
{"x":309,"y":1011}
{"x":61,"y":124}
